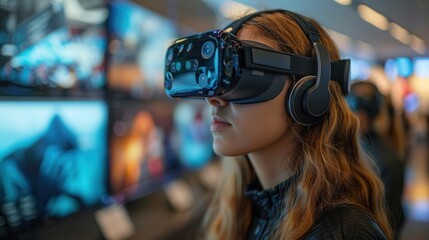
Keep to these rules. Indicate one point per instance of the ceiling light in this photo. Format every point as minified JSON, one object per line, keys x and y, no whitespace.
{"x":400,"y":33}
{"x":417,"y":44}
{"x":344,"y":2}
{"x":373,"y":17}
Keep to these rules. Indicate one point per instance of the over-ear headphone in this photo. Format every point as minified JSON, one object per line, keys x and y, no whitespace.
{"x":309,"y":98}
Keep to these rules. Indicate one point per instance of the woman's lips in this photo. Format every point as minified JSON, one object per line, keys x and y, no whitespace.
{"x":218,"y":124}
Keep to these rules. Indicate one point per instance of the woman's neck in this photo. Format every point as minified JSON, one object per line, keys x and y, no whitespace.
{"x":271,"y":163}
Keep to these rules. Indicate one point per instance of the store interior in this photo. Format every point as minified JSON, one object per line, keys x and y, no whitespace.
{"x":92,"y":148}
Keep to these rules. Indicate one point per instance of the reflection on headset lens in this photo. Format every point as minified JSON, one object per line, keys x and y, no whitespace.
{"x":169,"y":56}
{"x":202,"y":79}
{"x":189,"y":47}
{"x":207,"y":49}
{"x":168,"y":80}
{"x":227,"y":66}
{"x":181,"y":47}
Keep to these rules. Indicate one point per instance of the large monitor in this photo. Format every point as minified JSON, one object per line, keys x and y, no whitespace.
{"x":138,"y":40}
{"x":53,"y":161}
{"x":153,"y":139}
{"x":153,"y":142}
{"x":56,"y":55}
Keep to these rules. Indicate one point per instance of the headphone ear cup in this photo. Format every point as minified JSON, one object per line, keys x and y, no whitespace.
{"x":297,"y":101}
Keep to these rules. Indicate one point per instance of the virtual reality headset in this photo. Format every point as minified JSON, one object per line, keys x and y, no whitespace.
{"x":216,"y":63}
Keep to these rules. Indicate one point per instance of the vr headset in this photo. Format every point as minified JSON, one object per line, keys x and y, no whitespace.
{"x":216,"y":63}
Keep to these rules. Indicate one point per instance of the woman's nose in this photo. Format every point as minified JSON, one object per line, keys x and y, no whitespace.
{"x":217,"y":101}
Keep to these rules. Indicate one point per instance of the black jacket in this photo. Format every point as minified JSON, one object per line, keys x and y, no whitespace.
{"x":345,"y":222}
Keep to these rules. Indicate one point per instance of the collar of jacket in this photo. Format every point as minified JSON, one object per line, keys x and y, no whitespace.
{"x":268,"y":203}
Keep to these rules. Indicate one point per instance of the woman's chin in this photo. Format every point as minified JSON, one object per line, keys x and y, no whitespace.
{"x":227,"y":151}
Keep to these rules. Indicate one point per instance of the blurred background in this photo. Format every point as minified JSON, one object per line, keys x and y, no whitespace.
{"x":91,"y":148}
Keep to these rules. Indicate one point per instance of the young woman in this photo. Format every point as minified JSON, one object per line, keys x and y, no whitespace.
{"x":284,"y":178}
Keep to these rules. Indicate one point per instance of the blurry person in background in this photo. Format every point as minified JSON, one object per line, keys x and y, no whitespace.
{"x":390,"y":124}
{"x":293,"y":166}
{"x":383,"y":139}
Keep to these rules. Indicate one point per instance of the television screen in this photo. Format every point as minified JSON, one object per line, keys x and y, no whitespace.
{"x":24,"y":23}
{"x":155,"y":141}
{"x":138,"y":40}
{"x":6,"y":29}
{"x":194,"y":139}
{"x":141,"y":146}
{"x":52,"y":160}
{"x":421,"y":67}
{"x":68,"y":61}
{"x":58,"y":49}
{"x":405,"y":66}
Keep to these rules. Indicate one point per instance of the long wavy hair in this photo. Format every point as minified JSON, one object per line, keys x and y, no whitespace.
{"x":332,"y":167}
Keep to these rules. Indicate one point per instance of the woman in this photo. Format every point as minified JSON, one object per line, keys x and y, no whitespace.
{"x":285,"y":180}
{"x":286,"y":175}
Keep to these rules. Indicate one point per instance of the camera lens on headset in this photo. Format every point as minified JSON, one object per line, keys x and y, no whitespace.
{"x":208,"y":49}
{"x":173,"y":68}
{"x":191,"y":64}
{"x":203,"y":76}
{"x":178,"y":66}
{"x":194,"y":64}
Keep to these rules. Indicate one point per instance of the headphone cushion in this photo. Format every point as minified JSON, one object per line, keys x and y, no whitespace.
{"x":296,"y":101}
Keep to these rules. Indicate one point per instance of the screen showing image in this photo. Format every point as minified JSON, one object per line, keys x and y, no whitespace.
{"x":138,"y":40}
{"x":153,"y":142}
{"x":142,"y":153}
{"x":23,"y":23}
{"x":52,"y":160}
{"x":67,"y":62}
{"x":194,"y":140}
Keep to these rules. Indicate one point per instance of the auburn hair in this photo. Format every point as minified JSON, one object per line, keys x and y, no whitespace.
{"x":333,"y":169}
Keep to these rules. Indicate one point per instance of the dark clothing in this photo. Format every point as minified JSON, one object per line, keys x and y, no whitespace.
{"x":267,"y":207}
{"x":342,"y":222}
{"x":391,"y":170}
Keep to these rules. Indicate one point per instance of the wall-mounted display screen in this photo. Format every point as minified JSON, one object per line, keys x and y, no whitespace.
{"x":67,"y":62}
{"x":53,"y":160}
{"x":154,"y":141}
{"x":138,"y":40}
{"x":55,"y":48}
